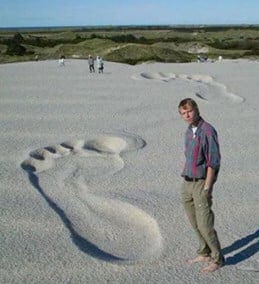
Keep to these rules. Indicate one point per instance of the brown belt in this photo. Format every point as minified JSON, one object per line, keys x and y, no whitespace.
{"x":192,"y":179}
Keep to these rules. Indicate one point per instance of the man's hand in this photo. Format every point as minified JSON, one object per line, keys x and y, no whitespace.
{"x":208,"y":192}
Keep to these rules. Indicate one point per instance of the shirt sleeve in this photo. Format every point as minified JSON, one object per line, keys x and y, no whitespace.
{"x":212,"y":150}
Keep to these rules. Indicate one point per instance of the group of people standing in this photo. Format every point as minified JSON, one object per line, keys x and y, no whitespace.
{"x":91,"y":63}
{"x":99,"y":63}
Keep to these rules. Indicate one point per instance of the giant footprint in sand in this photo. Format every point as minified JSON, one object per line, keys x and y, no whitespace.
{"x":205,"y":87}
{"x":106,"y":228}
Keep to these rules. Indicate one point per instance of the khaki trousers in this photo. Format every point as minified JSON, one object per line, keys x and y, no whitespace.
{"x":198,"y":209}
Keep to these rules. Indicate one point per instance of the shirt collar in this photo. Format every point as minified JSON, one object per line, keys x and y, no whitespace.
{"x":200,"y":122}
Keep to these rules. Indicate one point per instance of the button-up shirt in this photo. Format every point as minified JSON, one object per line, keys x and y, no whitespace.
{"x":201,"y":150}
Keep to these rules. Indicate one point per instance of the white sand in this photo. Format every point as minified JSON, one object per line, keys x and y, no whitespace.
{"x":90,"y":171}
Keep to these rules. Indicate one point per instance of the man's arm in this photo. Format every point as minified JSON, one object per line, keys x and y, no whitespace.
{"x":209,"y":181}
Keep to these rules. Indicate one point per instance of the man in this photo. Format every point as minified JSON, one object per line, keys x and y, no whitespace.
{"x":99,"y":62}
{"x":91,"y":63}
{"x":200,"y":173}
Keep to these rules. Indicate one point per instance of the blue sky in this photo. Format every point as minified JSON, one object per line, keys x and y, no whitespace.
{"x":30,"y":13}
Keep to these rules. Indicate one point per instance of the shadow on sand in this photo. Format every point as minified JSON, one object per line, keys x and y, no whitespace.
{"x":246,"y":252}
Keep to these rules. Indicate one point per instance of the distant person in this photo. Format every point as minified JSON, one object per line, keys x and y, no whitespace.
{"x":91,"y":63}
{"x":199,"y":175}
{"x":220,"y":58}
{"x":100,"y":65}
{"x":61,"y":60}
{"x":36,"y":58}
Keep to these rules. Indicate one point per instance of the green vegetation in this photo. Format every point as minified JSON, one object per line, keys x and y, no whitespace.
{"x":130,"y":44}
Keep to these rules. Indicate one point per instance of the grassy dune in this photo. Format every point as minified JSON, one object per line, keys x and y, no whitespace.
{"x":130,"y":44}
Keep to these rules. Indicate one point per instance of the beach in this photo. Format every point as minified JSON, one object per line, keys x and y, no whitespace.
{"x":91,"y":171}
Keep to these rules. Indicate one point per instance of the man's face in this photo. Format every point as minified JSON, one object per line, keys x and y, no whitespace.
{"x":189,"y":114}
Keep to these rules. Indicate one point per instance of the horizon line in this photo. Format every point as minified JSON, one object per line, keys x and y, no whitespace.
{"x":128,"y":26}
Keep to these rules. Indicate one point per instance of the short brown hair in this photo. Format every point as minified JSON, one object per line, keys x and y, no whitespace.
{"x":188,"y":102}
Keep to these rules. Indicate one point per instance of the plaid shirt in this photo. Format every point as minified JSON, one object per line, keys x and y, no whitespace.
{"x":201,"y":151}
